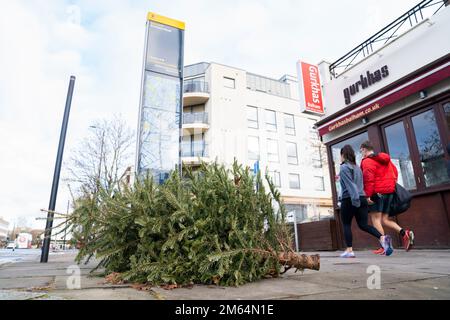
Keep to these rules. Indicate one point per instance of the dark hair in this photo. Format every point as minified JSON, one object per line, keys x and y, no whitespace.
{"x":367,"y":145}
{"x":348,"y":154}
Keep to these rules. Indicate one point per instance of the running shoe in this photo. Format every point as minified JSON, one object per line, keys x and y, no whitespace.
{"x":387,"y":245}
{"x":411,"y":239}
{"x":347,"y":255}
{"x":378,"y":251}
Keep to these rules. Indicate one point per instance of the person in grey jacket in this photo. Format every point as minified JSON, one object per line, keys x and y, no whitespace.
{"x":354,"y":203}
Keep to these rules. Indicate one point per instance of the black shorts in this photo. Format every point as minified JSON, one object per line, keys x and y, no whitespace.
{"x":382,"y":203}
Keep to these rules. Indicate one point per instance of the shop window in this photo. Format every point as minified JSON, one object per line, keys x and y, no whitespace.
{"x":300,"y":211}
{"x":430,"y":148}
{"x":355,"y":142}
{"x":398,"y":148}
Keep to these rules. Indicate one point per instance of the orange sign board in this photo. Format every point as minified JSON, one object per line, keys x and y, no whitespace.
{"x":310,"y":88}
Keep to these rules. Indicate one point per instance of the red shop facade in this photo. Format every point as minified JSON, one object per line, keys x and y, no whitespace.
{"x":398,"y":97}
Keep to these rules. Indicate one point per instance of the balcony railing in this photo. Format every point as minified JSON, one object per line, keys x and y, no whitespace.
{"x":196,"y":86}
{"x":194,"y":149}
{"x":389,"y":33}
{"x":197,"y":117}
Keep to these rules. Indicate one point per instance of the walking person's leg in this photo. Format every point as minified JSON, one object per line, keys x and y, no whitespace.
{"x":347,"y":213}
{"x":406,"y":235}
{"x":361,"y":217}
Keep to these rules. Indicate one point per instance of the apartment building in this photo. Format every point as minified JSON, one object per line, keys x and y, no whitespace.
{"x":230,"y":113}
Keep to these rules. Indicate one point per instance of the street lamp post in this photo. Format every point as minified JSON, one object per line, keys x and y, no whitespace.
{"x":57,"y":172}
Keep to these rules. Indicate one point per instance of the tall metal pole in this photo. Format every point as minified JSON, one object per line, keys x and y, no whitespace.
{"x":56,"y":174}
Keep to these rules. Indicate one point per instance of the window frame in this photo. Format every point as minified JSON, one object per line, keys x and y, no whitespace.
{"x":437,"y":108}
{"x":253,"y":121}
{"x":323,"y":183}
{"x":299,"y":182}
{"x":291,"y":157}
{"x":248,"y":148}
{"x":225,"y":81}
{"x":278,"y":173}
{"x":290,"y":128}
{"x":268,"y":124}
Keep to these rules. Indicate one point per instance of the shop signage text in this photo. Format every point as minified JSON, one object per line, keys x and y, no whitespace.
{"x":310,"y":88}
{"x":365,"y":82}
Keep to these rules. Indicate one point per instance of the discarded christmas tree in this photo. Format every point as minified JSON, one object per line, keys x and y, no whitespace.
{"x":213,"y":226}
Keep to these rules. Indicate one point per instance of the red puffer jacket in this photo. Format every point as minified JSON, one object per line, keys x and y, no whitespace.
{"x":379,"y":174}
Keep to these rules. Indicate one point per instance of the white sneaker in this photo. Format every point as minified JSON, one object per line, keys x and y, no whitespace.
{"x":347,"y":254}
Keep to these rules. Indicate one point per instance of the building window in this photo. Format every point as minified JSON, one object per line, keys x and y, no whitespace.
{"x":253,"y":148}
{"x":272,"y":150}
{"x":292,"y":153}
{"x":398,"y":149}
{"x":319,"y":184}
{"x":294,"y":181}
{"x":229,"y":83}
{"x":289,"y":124}
{"x":317,"y":157}
{"x":355,"y":142}
{"x":276,"y":179}
{"x":271,"y":120}
{"x":252,"y":117}
{"x":431,"y":151}
{"x":300,"y":211}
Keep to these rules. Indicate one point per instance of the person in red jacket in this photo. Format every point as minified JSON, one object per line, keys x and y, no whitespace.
{"x":380,"y":176}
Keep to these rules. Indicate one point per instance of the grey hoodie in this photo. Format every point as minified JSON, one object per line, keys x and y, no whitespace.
{"x":352,"y":186}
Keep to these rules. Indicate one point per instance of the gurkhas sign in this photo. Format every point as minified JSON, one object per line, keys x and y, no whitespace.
{"x":364,"y":82}
{"x":310,"y":90}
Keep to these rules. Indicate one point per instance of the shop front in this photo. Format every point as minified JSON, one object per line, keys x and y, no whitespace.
{"x":398,"y":97}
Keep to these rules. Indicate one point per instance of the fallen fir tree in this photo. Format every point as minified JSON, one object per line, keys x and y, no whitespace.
{"x":213,"y":226}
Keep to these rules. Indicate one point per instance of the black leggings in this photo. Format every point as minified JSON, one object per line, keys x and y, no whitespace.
{"x":348,"y":211}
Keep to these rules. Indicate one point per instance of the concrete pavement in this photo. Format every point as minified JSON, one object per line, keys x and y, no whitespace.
{"x":419,"y":274}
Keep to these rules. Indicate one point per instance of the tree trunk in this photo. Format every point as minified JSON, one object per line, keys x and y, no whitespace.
{"x":300,"y":261}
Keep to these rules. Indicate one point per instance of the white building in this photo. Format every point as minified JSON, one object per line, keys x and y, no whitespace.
{"x":3,"y":229}
{"x":230,"y":113}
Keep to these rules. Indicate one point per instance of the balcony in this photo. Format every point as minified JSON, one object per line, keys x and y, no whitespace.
{"x":195,"y":92}
{"x":194,"y":123}
{"x":193,"y":153}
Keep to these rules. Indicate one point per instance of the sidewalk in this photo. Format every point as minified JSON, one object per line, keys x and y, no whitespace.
{"x":419,"y":274}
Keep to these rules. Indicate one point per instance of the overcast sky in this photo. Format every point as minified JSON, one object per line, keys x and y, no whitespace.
{"x":43,"y":42}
